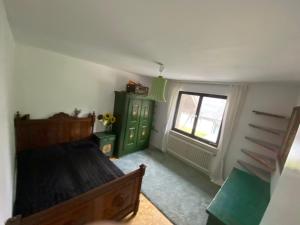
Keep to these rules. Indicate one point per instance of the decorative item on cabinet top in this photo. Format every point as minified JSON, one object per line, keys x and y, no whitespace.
{"x":136,"y":88}
{"x":134,"y":115}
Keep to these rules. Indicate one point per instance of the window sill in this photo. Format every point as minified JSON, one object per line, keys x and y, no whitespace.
{"x":207,"y":147}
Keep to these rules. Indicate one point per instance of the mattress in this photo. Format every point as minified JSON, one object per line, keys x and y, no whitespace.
{"x":46,"y":177}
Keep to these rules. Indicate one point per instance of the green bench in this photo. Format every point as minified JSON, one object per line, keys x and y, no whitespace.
{"x":242,"y":200}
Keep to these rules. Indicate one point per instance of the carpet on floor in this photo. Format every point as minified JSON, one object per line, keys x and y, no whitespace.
{"x":179,"y":191}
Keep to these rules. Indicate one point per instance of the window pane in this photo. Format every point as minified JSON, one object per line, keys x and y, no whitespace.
{"x":186,"y":112}
{"x":210,"y":118}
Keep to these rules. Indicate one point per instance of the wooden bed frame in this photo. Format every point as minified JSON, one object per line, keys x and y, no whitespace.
{"x":111,"y":201}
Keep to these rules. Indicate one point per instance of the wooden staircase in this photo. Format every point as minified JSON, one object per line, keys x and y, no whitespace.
{"x":262,"y":174}
{"x":269,"y":163}
{"x":268,"y":129}
{"x":270,"y":115}
{"x":265,"y":144}
{"x":268,"y":160}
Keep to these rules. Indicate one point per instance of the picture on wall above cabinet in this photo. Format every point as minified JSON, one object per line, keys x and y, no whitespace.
{"x":133,"y":125}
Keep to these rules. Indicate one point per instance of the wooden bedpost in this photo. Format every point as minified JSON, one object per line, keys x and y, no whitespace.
{"x":93,"y":116}
{"x":142,"y":171}
{"x":142,"y":168}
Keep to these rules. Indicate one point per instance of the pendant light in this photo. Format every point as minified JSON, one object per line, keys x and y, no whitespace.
{"x":157,"y":90}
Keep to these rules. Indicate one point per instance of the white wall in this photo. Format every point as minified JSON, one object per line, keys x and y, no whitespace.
{"x":6,"y":117}
{"x":49,"y":82}
{"x":285,"y":202}
{"x":276,"y":98}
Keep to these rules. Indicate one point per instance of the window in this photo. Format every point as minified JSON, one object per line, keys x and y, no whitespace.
{"x":199,"y":116}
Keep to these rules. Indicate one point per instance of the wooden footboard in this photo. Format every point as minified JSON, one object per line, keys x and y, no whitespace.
{"x":111,"y":201}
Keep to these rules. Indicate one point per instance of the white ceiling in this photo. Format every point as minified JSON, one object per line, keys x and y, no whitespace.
{"x":207,"y":40}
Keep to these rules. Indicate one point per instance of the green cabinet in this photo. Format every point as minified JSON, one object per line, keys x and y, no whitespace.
{"x":134,"y":121}
{"x":106,"y":142}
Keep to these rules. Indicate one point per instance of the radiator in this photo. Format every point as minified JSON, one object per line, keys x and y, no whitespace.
{"x":193,"y":154}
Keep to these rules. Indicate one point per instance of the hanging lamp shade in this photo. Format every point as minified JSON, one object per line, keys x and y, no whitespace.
{"x":157,"y":90}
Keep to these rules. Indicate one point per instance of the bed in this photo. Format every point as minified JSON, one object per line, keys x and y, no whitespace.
{"x":63,"y":178}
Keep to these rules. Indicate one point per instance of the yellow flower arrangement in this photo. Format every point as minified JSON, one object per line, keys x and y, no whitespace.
{"x":113,"y":119}
{"x":107,"y":116}
{"x":107,"y":120}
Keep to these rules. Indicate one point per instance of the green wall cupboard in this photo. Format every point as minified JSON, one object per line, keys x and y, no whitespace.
{"x":134,"y":115}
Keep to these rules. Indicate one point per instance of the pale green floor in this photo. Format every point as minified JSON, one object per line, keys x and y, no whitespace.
{"x":181,"y":192}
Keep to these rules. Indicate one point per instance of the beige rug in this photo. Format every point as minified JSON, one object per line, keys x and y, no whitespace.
{"x":148,"y":214}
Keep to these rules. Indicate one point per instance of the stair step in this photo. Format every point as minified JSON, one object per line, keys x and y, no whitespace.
{"x":265,"y":144}
{"x":262,"y":174}
{"x":268,"y":129}
{"x":270,"y":114}
{"x":268,"y":162}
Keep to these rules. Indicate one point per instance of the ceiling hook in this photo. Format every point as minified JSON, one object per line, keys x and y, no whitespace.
{"x":161,"y":67}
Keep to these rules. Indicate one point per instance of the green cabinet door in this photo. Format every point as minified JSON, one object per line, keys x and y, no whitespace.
{"x":146,"y":111}
{"x":145,"y":124}
{"x":131,"y":132}
{"x":131,"y":135}
{"x":143,"y":136}
{"x":134,"y":110}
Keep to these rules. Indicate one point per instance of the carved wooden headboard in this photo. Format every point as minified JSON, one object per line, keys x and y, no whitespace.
{"x":59,"y":128}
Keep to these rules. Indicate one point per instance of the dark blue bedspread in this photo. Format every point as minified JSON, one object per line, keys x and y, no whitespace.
{"x":49,"y":176}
